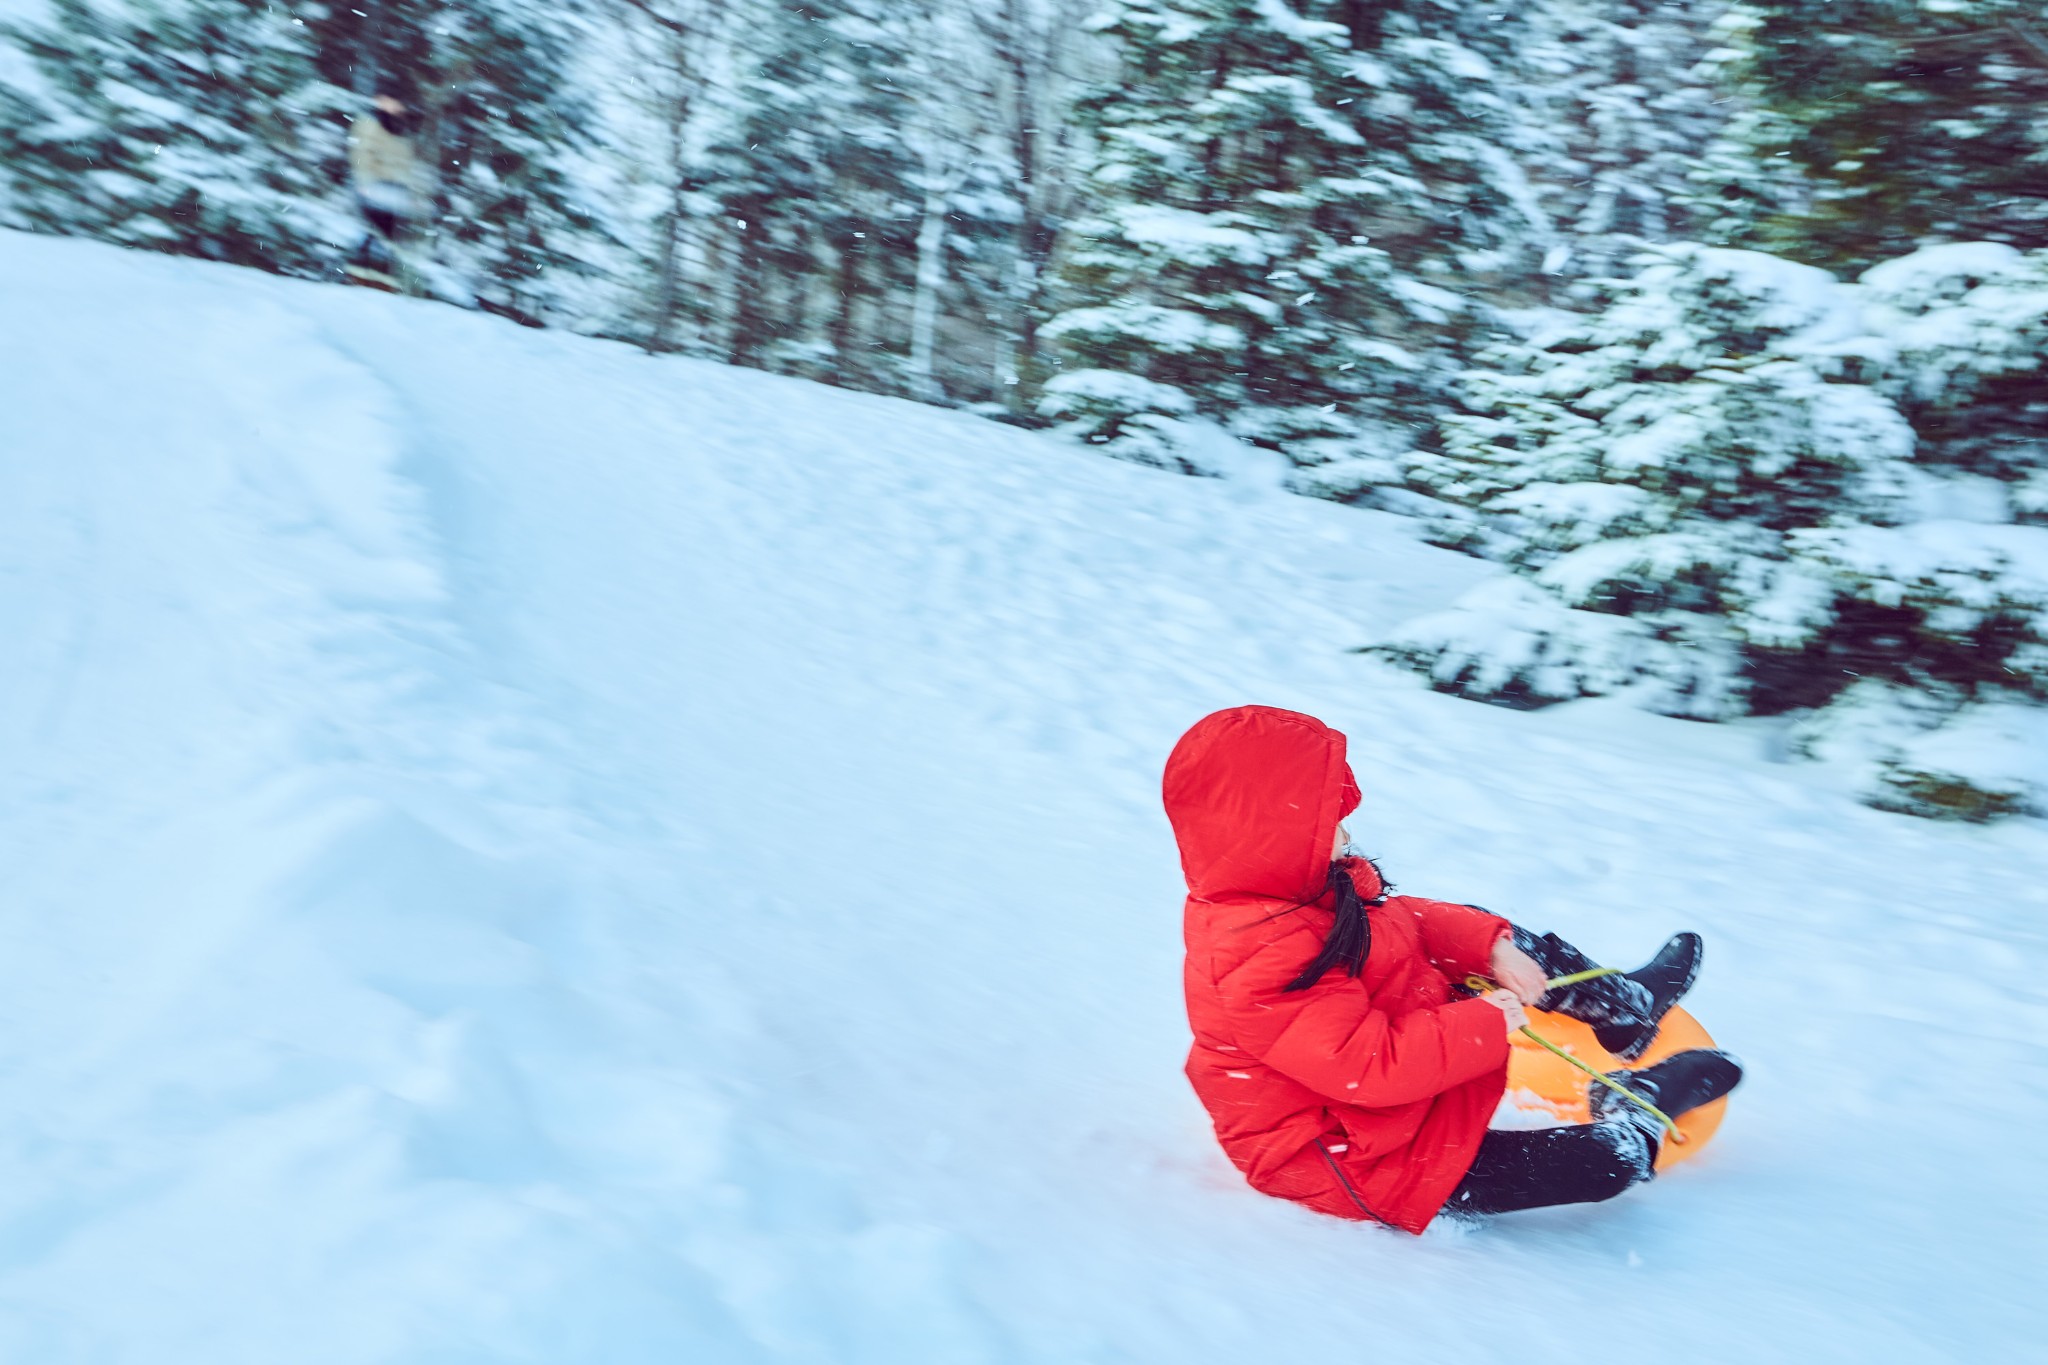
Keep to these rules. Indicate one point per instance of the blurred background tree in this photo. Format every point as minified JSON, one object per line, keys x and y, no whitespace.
{"x":1908,"y":123}
{"x":198,"y":127}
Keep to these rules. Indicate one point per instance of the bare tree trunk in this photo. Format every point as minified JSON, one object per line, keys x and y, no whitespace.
{"x":1015,"y":51}
{"x":687,"y":32}
{"x":931,"y":274}
{"x":721,"y":262}
{"x":668,"y":264}
{"x":750,"y":287}
{"x":1031,"y":48}
{"x":844,"y":370}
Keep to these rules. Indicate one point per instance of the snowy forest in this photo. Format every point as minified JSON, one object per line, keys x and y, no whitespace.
{"x":1723,"y":326}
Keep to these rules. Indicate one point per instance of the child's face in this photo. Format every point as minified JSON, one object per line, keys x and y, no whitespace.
{"x":1343,"y":840}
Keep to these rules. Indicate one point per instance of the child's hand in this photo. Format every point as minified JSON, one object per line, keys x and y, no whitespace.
{"x":1518,"y":972}
{"x":1505,"y":1002}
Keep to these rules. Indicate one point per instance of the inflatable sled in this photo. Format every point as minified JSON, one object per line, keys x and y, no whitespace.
{"x":1539,"y":1080}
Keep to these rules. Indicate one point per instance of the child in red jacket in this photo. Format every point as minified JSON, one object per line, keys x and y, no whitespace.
{"x":1340,"y":1064}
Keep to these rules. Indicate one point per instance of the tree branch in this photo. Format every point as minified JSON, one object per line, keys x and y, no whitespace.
{"x":2031,"y":39}
{"x":2033,"y":45}
{"x":675,"y":26}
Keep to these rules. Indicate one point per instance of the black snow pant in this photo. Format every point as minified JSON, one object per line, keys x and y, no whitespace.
{"x":1532,"y":1168}
{"x":1584,"y":1163}
{"x":378,"y":250}
{"x":383,"y":222}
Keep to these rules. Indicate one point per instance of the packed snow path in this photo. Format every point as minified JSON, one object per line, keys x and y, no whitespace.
{"x":514,"y":850}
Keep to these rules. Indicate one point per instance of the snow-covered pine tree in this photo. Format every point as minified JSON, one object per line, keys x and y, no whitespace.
{"x":1644,"y":111}
{"x":500,"y":124}
{"x":1735,"y":192}
{"x":1289,"y":211}
{"x":1941,"y":637}
{"x":1871,"y":128}
{"x":1646,"y":470}
{"x":1959,"y":592}
{"x":1910,"y":123}
{"x":1967,"y":327}
{"x":197,"y":127}
{"x":1712,"y":498}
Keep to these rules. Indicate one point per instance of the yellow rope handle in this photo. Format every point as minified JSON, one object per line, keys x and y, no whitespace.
{"x":1573,"y":978}
{"x":1482,"y":985}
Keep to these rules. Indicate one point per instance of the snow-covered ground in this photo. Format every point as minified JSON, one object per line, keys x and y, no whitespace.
{"x":514,"y":850}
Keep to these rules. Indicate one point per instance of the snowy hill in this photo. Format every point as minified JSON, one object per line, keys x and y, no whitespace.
{"x":514,"y":850}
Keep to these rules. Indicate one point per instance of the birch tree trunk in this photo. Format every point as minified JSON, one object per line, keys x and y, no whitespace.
{"x":931,"y":278}
{"x":668,"y":263}
{"x":1036,"y":51}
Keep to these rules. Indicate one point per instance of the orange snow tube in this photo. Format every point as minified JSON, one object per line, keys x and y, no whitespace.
{"x":1541,"y":1080}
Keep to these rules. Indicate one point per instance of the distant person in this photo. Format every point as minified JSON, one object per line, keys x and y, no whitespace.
{"x":386,"y":174}
{"x":1341,"y":1066}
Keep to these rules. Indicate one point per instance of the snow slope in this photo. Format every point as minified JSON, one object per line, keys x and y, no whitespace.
{"x":513,"y":850}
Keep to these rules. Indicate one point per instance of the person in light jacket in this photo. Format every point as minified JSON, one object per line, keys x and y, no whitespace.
{"x":386,"y":174}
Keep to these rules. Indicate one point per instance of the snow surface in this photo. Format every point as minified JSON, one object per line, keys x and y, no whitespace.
{"x":514,"y":850}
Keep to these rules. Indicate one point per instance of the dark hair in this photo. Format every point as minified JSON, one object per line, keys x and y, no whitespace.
{"x":1350,"y":937}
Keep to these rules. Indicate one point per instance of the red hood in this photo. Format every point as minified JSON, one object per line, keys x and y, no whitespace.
{"x":1255,"y":794}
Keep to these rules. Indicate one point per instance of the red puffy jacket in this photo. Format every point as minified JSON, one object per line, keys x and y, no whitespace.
{"x":1361,"y":1096}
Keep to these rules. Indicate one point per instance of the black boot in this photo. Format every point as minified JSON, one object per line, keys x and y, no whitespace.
{"x":1677,"y":1085}
{"x":1667,"y":977}
{"x":1625,"y":1008}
